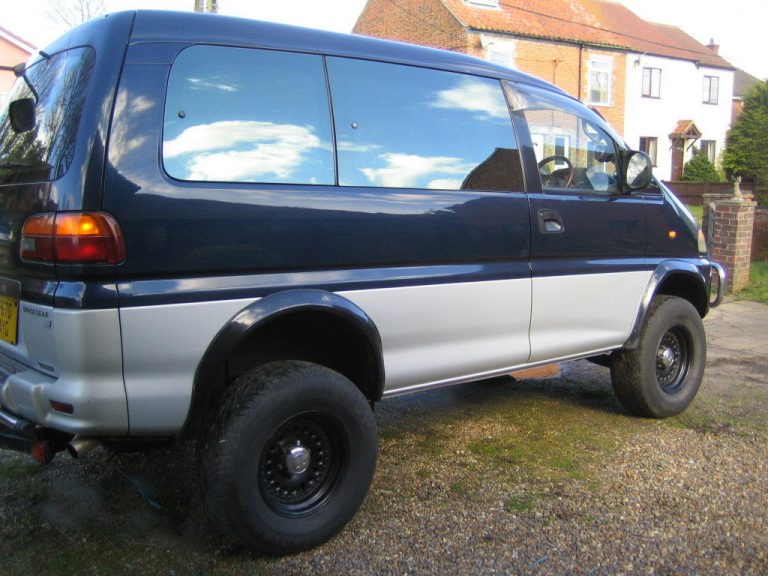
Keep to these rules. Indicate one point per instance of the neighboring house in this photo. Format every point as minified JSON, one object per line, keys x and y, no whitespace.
{"x":742,"y":82}
{"x":12,"y":51}
{"x":665,"y":92}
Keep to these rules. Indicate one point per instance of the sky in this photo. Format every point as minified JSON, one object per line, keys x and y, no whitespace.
{"x":736,"y":25}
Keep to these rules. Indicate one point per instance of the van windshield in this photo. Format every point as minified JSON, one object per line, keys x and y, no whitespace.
{"x":58,"y":86}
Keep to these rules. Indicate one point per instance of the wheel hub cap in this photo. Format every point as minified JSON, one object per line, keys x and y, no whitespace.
{"x":665,"y":358}
{"x":297,"y":460}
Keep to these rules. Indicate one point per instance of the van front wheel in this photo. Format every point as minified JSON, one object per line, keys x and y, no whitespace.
{"x":662,"y":375}
{"x":290,"y":457}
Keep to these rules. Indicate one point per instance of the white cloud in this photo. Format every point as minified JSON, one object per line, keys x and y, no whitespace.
{"x":346,"y":146}
{"x":445,"y":184}
{"x":199,"y":84}
{"x":408,"y":170}
{"x":483,"y":98}
{"x":241,"y":151}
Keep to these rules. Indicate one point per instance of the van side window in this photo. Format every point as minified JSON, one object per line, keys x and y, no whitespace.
{"x":572,"y":153}
{"x":246,"y":115}
{"x":406,"y":127}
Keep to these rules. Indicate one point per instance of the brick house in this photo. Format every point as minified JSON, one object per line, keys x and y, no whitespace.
{"x":742,"y":83}
{"x":646,"y":79}
{"x":12,"y":51}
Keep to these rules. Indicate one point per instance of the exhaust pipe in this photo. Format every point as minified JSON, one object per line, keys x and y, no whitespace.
{"x":79,"y":446}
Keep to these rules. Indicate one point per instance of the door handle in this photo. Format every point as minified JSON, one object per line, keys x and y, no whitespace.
{"x":550,"y":222}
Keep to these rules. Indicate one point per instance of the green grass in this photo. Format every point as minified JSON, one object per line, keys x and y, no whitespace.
{"x":697,"y":211}
{"x":757,"y":289}
{"x":548,"y":438}
{"x":520,"y":503}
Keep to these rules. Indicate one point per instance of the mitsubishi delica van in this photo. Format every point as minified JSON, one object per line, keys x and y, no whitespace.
{"x":245,"y":235}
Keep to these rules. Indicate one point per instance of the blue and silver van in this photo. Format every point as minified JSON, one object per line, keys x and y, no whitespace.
{"x":246,"y":234}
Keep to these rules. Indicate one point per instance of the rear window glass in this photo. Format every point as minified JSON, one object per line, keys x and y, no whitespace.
{"x":248,"y":115}
{"x":58,"y":85}
{"x":406,"y":127}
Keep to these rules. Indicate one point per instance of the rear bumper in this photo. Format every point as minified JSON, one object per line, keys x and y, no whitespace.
{"x":66,"y":373}
{"x":74,"y":405}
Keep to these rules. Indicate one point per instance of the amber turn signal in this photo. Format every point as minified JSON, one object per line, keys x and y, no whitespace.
{"x":72,"y":238}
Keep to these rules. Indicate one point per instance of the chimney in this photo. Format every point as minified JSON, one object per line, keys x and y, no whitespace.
{"x":712,"y":46}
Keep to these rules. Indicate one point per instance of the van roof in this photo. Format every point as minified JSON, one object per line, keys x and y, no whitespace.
{"x":153,"y":26}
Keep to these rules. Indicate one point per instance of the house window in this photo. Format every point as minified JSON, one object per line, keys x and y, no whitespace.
{"x":599,"y":90}
{"x":649,"y":145}
{"x":652,"y":82}
{"x":708,"y":148}
{"x":710,"y":89}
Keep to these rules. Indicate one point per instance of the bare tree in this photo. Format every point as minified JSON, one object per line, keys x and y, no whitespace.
{"x":70,"y":13}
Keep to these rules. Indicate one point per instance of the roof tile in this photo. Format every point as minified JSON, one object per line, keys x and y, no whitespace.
{"x":595,"y":22}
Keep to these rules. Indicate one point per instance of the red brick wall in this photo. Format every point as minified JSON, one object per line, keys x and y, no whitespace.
{"x":732,"y":240}
{"x":429,"y":23}
{"x":693,"y":192}
{"x":425,"y":22}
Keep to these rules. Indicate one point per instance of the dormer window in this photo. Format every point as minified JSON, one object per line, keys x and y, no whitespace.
{"x":484,"y":3}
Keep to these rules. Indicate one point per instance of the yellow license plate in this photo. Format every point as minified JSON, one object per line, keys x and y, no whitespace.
{"x":9,"y":310}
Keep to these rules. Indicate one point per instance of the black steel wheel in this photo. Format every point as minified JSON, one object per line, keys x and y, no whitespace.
{"x":673,"y":359}
{"x":289,"y":458}
{"x":662,"y":375}
{"x":300,"y":465}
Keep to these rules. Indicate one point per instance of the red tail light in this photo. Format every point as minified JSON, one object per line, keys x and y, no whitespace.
{"x":72,"y":238}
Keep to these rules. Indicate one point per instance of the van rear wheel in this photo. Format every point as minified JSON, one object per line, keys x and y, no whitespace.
{"x":662,"y":375}
{"x":289,"y":458}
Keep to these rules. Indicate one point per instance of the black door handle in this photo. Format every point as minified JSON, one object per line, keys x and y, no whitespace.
{"x":550,"y":222}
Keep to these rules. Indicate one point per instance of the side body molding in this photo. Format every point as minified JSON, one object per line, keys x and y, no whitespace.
{"x":683,"y":272}
{"x":211,"y":372}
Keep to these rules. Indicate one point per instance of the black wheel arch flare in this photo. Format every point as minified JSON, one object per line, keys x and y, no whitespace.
{"x":211,"y":375}
{"x":682,"y":278}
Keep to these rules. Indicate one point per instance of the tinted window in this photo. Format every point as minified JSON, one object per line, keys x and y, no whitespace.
{"x":242,"y":115}
{"x":575,"y":149}
{"x":572,"y":152}
{"x":57,"y":86}
{"x":405,"y":127}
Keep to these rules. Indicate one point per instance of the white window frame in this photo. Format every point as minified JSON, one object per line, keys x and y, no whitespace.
{"x":652,"y":87}
{"x":707,"y":96}
{"x":499,"y":50}
{"x":538,"y":139}
{"x":603,"y":66}
{"x":651,"y":148}
{"x":709,"y":147}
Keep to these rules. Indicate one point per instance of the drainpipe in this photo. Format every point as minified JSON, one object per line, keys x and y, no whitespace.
{"x":581,"y":61}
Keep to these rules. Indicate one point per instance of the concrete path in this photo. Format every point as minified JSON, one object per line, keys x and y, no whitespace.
{"x":737,"y":329}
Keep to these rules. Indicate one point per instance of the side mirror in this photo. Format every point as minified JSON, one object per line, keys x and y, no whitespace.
{"x":638,"y":170}
{"x":22,"y":115}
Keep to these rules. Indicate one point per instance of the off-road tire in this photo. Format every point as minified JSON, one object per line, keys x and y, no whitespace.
{"x":289,"y":457}
{"x":662,"y":375}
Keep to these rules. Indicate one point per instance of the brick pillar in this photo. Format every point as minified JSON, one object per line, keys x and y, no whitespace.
{"x":729,"y":228}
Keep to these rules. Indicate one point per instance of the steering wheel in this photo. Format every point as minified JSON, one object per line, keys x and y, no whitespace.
{"x":560,"y":178}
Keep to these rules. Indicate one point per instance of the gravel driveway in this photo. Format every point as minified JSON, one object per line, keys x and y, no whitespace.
{"x":544,"y":476}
